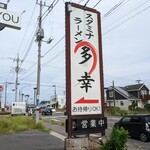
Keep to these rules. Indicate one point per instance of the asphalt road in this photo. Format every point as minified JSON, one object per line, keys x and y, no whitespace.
{"x":133,"y":144}
{"x":35,"y":140}
{"x":30,"y":140}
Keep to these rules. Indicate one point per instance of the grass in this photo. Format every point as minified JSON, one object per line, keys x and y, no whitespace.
{"x":53,"y":121}
{"x":9,"y":125}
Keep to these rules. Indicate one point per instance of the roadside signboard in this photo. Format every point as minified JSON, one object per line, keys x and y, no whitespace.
{"x":10,"y":19}
{"x":4,"y":6}
{"x":84,"y":72}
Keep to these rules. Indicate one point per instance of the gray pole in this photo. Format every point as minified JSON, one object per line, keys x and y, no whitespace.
{"x":16,"y":84}
{"x":55,"y":95}
{"x":39,"y":39}
{"x":114,"y":96}
{"x":5,"y":93}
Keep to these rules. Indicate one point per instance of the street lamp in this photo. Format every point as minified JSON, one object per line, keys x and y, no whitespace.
{"x":21,"y":92}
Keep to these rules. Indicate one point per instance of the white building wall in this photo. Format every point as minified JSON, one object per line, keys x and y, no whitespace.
{"x":61,"y":99}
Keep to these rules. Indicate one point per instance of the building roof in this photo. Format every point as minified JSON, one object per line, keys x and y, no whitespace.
{"x":124,"y":92}
{"x":134,"y":87}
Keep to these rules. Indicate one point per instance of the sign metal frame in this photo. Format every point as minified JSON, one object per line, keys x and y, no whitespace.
{"x":71,"y":118}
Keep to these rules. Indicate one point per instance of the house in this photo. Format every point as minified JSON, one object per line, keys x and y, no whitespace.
{"x":123,"y":97}
{"x":58,"y":101}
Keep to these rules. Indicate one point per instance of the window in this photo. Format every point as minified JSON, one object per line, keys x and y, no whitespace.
{"x":143,"y":92}
{"x":111,"y":94}
{"x":136,"y":119}
{"x":121,"y":103}
{"x":126,"y":119}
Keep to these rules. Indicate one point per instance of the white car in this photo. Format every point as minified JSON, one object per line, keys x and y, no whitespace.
{"x":53,"y":110}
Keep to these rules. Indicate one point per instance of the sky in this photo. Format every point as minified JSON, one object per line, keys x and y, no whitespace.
{"x":125,"y":45}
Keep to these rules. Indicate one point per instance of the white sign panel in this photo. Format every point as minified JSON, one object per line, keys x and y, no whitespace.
{"x":85,"y":63}
{"x":10,"y":19}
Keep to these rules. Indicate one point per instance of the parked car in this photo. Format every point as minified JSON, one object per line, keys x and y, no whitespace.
{"x":53,"y":110}
{"x":137,"y":125}
{"x":47,"y":111}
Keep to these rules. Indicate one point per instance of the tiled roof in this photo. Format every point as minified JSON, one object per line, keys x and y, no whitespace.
{"x":125,"y":93}
{"x":134,"y":87}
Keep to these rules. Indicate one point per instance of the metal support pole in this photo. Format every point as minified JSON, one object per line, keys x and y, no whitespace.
{"x":16,"y":84}
{"x":5,"y":93}
{"x":35,"y":96}
{"x":55,"y":95}
{"x":39,"y":57}
{"x":114,"y":97}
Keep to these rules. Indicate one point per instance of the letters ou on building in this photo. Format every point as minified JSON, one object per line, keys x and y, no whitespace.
{"x":84,"y":72}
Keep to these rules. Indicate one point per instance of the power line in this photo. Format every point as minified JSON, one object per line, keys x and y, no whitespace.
{"x":54,"y":46}
{"x":126,"y":20}
{"x":26,"y":29}
{"x":97,"y":3}
{"x":49,"y":9}
{"x":126,"y":14}
{"x":113,"y":9}
{"x":52,"y":58}
{"x":86,"y":3}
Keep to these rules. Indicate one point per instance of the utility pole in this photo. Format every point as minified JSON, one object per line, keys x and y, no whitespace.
{"x":113,"y":84}
{"x":16,"y":83}
{"x":138,"y":81}
{"x":39,"y":37}
{"x":55,"y":95}
{"x":5,"y":93}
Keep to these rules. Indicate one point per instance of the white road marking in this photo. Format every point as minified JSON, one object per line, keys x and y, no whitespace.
{"x":59,"y":136}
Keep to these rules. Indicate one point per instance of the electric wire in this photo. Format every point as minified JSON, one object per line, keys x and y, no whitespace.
{"x":45,"y":64}
{"x":97,"y":3}
{"x":104,"y":18}
{"x":50,"y":7}
{"x":26,"y":29}
{"x":49,"y":10}
{"x":43,"y":57}
{"x":126,"y":14}
{"x":86,"y":3}
{"x":126,"y":20}
{"x":54,"y":45}
{"x":113,"y":8}
{"x":29,"y":47}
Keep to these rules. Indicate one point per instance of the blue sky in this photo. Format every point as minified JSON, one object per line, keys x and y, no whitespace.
{"x":125,"y":38}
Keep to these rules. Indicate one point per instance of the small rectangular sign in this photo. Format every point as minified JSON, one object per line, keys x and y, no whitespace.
{"x":10,"y":19}
{"x":90,"y":124}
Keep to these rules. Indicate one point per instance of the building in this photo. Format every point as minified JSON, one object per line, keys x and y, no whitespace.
{"x":56,"y":101}
{"x":123,"y":97}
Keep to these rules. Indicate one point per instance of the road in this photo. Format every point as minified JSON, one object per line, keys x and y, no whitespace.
{"x":30,"y":140}
{"x":134,"y":144}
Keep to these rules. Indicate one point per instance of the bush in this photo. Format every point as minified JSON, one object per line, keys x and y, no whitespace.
{"x":115,"y":111}
{"x":147,"y":107}
{"x":117,"y":140}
